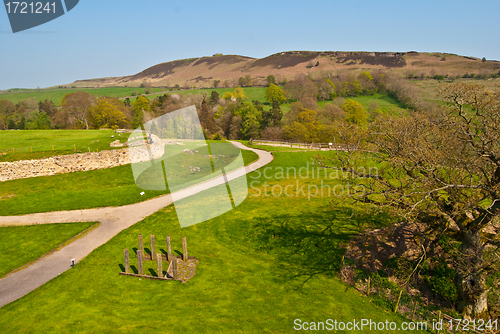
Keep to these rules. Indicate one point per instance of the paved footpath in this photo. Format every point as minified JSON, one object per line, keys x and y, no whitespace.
{"x":113,"y":220}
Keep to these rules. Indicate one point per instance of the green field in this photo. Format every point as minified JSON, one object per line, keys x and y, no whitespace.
{"x":78,"y":190}
{"x":270,"y":261}
{"x":37,"y":144}
{"x":56,"y":94}
{"x":22,"y":244}
{"x":384,"y":102}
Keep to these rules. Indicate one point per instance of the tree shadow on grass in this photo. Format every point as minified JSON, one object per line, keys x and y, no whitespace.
{"x":312,"y":243}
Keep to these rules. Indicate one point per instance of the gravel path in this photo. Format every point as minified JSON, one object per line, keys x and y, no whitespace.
{"x":113,"y":220}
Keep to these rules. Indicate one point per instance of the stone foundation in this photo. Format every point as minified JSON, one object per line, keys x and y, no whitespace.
{"x":79,"y":162}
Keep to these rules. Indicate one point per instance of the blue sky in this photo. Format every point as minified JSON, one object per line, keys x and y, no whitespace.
{"x":123,"y":37}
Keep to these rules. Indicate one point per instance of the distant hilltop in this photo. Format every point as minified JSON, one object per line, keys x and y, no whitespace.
{"x":226,"y":70}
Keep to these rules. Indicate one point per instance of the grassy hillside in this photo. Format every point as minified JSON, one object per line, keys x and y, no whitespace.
{"x":270,"y":261}
{"x":56,"y":94}
{"x":201,"y":72}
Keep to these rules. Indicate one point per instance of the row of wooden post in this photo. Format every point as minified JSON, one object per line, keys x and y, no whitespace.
{"x":159,"y":265}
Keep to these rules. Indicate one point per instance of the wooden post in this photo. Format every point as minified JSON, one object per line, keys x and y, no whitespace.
{"x":368,"y":287}
{"x":414,"y":309}
{"x":159,"y":265}
{"x":169,"y":249}
{"x":174,"y":268}
{"x":127,"y":263}
{"x":141,"y":245}
{"x":184,"y":249}
{"x":52,"y":147}
{"x":139,"y":262}
{"x":397,"y":303}
{"x":74,"y":145}
{"x":153,"y":249}
{"x":13,"y":151}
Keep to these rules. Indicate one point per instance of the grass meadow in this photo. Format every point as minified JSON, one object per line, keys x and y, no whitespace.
{"x":56,"y":94}
{"x":384,"y":102}
{"x":269,"y":261}
{"x":37,"y":144}
{"x":22,"y":244}
{"x":78,"y":190}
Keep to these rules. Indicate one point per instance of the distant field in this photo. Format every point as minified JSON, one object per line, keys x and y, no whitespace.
{"x":271,"y":260}
{"x":383,"y":101}
{"x":429,"y":88}
{"x":57,"y":94}
{"x":64,"y":141}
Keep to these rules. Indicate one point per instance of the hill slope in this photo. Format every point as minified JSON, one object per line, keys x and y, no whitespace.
{"x":201,"y":72}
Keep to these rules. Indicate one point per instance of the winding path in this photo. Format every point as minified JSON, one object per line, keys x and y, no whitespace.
{"x":113,"y":220}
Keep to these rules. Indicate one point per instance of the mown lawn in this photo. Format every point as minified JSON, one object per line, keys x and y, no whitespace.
{"x":271,"y":260}
{"x":39,"y":144}
{"x":56,"y":94}
{"x":78,"y":190}
{"x":20,"y":245}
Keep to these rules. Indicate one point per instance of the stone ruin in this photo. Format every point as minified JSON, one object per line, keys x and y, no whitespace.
{"x":180,"y":268}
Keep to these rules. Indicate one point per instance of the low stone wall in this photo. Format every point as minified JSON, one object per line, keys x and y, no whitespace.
{"x":79,"y":162}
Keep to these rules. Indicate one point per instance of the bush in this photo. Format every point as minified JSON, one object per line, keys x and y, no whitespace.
{"x":217,"y":136}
